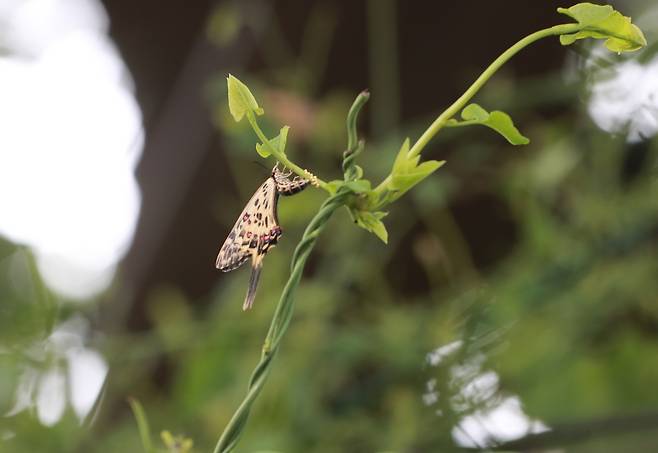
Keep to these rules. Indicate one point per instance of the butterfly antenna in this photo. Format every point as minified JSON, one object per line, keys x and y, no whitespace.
{"x":253,"y":285}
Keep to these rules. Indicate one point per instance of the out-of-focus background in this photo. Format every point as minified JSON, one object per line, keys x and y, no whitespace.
{"x":516,"y":303}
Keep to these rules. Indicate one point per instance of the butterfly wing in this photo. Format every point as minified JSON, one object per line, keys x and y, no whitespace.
{"x":233,"y":253}
{"x":257,"y":229}
{"x":254,"y":231}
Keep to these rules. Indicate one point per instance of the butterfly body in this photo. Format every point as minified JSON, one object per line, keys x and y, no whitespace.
{"x":257,"y":229}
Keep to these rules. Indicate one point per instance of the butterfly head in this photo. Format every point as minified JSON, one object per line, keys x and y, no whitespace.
{"x":285,"y":185}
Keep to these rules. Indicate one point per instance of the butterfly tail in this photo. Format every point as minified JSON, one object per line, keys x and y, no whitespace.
{"x":253,"y":284}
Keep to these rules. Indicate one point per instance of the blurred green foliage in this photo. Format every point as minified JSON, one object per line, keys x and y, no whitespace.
{"x":540,"y":263}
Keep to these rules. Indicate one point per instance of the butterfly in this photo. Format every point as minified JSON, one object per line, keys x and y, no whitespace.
{"x":257,"y":229}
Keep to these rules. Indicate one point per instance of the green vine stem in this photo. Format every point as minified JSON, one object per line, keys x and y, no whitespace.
{"x":286,"y":305}
{"x":280,"y":321}
{"x":352,"y":116}
{"x":461,"y":102}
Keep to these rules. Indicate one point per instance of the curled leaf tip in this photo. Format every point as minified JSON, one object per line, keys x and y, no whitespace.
{"x":603,"y":22}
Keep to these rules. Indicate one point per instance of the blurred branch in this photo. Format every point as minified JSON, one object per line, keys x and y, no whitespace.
{"x":383,"y":64}
{"x":142,"y":424}
{"x":316,"y":44}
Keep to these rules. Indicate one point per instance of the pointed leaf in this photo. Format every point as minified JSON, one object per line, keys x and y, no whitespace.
{"x":405,"y":174}
{"x":282,"y":139}
{"x":502,"y":123}
{"x":406,"y":181}
{"x":429,"y":166}
{"x":400,"y":163}
{"x":278,"y":143}
{"x":240,"y":99}
{"x":371,"y":221}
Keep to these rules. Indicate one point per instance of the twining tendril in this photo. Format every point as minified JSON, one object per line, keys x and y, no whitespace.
{"x":285,"y":307}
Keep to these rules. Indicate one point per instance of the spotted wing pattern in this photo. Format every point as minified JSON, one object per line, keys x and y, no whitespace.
{"x":257,"y":229}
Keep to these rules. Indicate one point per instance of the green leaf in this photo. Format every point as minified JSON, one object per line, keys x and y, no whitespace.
{"x":371,"y":221}
{"x":263,"y":151}
{"x":603,"y":22}
{"x":405,"y":174}
{"x":402,"y":162}
{"x":402,"y":182}
{"x":496,"y":120}
{"x":142,"y":424}
{"x":474,"y":112}
{"x":240,"y":99}
{"x":278,"y":143}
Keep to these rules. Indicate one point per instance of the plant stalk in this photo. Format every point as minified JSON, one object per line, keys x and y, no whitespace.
{"x":472,"y":90}
{"x":280,"y":322}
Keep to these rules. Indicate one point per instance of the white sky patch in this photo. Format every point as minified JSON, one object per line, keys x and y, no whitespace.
{"x":498,"y":417}
{"x":71,"y":138}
